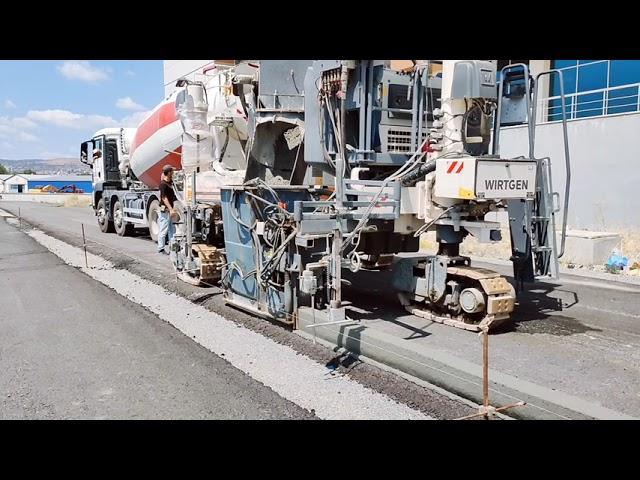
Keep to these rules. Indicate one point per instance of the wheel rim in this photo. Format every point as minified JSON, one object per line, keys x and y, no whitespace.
{"x":153,"y":223}
{"x":102,"y":214}
{"x":117,"y":217}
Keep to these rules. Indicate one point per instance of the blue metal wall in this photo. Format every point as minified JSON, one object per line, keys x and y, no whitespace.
{"x":86,"y":186}
{"x":620,"y":76}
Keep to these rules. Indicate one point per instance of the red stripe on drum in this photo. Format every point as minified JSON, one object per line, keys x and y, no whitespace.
{"x":151,"y":176}
{"x":162,"y":117}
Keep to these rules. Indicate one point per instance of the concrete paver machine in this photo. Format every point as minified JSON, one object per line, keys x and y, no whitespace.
{"x":295,"y":170}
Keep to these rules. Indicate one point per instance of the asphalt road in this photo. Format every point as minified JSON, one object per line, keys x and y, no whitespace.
{"x":72,"y":348}
{"x":576,"y":335}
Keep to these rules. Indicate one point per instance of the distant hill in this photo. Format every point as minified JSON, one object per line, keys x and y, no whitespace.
{"x":51,"y":166}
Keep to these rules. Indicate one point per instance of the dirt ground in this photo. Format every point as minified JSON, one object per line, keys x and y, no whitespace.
{"x":630,"y":247}
{"x":77,"y":201}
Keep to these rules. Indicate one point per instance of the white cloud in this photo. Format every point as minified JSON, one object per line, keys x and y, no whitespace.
{"x":130,"y":73}
{"x":127,"y":103}
{"x":16,"y":123}
{"x":9,"y":104}
{"x":12,"y":129}
{"x":134,"y":119}
{"x":22,"y":122}
{"x":82,"y":70}
{"x":78,"y":121}
{"x":15,"y":137}
{"x":67,"y":119}
{"x":27,"y":137}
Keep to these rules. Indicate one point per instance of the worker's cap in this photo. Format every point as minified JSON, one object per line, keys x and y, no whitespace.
{"x":167,"y":169}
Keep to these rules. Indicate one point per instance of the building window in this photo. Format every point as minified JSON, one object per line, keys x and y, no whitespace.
{"x":595,"y":87}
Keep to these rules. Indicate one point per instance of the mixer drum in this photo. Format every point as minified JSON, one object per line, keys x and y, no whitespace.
{"x":157,"y":142}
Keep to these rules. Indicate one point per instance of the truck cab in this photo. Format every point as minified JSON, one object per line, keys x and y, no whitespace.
{"x":102,"y":154}
{"x":119,"y":201}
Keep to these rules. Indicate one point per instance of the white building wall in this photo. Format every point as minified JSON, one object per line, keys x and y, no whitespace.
{"x":176,"y":69}
{"x":11,"y":184}
{"x":605,"y":167}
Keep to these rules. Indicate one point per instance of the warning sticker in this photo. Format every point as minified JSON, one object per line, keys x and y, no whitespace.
{"x":465,"y":193}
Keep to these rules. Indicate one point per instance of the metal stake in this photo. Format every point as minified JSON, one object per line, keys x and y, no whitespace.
{"x":313,"y":311}
{"x":487,"y":411}
{"x":84,"y":245}
{"x":19,"y":218}
{"x":485,"y":370}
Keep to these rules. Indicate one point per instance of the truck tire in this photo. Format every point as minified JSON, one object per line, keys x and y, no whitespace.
{"x":152,"y":219}
{"x":123,"y":228}
{"x":106,"y":225}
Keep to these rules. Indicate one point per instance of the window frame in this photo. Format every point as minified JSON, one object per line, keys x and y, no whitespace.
{"x":608,"y":105}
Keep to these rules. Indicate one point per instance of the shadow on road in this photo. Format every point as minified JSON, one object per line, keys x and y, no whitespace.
{"x":538,"y":311}
{"x":541,"y":307}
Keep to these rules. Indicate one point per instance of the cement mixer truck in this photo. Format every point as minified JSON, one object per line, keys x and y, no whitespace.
{"x":127,"y":162}
{"x":126,"y":165}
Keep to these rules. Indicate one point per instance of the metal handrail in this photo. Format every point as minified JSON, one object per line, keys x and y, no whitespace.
{"x":567,"y":157}
{"x":607,"y":102}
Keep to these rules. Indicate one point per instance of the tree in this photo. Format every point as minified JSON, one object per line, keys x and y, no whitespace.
{"x":3,"y":170}
{"x":28,"y":171}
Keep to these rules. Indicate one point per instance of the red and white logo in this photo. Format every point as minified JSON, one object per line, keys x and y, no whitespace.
{"x":455,"y":163}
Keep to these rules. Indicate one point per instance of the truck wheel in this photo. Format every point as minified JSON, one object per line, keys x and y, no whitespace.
{"x":106,"y":225}
{"x":123,"y":228}
{"x":152,"y":218}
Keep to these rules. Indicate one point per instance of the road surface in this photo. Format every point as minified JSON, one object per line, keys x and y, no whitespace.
{"x":576,"y":335}
{"x":72,"y":348}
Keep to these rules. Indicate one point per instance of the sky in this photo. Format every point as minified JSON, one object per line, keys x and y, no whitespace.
{"x":48,"y":107}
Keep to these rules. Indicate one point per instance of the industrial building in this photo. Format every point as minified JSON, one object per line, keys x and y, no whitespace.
{"x":82,"y":182}
{"x":603,"y":108}
{"x":23,"y":183}
{"x":603,"y":111}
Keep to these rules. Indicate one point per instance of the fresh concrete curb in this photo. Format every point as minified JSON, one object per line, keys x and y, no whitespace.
{"x":461,"y":377}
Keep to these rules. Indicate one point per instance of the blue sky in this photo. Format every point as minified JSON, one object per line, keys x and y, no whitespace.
{"x":48,"y":107}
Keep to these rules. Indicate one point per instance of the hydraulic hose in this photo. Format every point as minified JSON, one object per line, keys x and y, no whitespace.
{"x":420,"y":172}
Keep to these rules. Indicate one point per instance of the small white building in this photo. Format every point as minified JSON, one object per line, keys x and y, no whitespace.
{"x":13,"y":183}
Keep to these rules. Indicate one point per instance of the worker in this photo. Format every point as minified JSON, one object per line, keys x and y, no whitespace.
{"x":167,"y":199}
